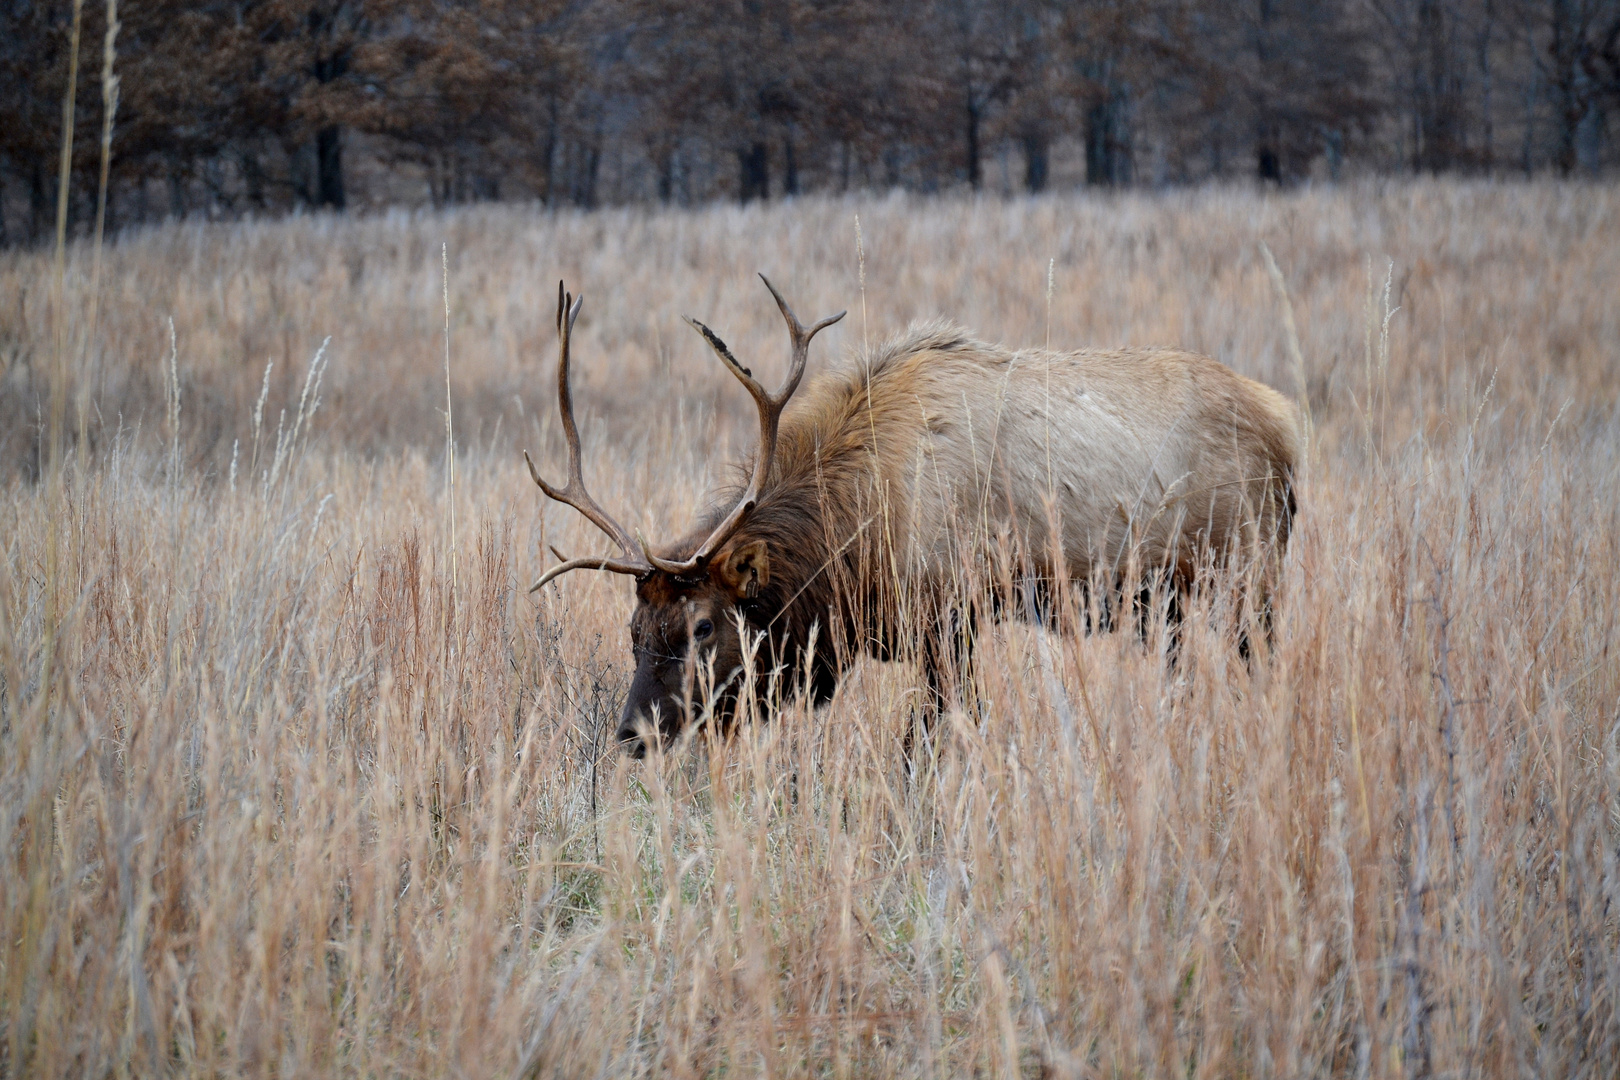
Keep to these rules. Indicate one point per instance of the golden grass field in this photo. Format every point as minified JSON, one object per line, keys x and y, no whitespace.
{"x":297,"y":780}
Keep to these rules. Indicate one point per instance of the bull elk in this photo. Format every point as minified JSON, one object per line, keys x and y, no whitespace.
{"x":880,"y":503}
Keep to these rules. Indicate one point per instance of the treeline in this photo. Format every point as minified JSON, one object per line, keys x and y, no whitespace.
{"x":256,"y":106}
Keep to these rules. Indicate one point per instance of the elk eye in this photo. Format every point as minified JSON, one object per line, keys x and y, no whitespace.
{"x":703,"y":629}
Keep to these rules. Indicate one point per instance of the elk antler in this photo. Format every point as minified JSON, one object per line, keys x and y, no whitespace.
{"x":574,"y":493}
{"x":770,"y":413}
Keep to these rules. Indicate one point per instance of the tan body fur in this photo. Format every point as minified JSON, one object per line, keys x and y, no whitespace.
{"x":907,"y":481}
{"x":1155,"y":453}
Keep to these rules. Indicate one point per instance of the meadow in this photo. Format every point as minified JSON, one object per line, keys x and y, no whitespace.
{"x":297,"y":779}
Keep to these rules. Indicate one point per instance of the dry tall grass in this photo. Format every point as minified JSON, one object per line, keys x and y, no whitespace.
{"x":296,"y":807}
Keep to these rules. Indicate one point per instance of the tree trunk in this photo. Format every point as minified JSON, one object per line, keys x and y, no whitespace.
{"x":974,"y":174}
{"x":1609,"y":53}
{"x":1571,"y":116}
{"x":753,"y":173}
{"x":1106,"y":146}
{"x":666,"y":176}
{"x":548,"y":156}
{"x":177,"y":194}
{"x":593,"y":168}
{"x":329,"y":167}
{"x":1097,"y":144}
{"x":1036,"y":161}
{"x":1268,"y":165}
{"x":790,"y":167}
{"x":1527,"y":144}
{"x":39,"y":202}
{"x":253,"y":178}
{"x":1267,"y":160}
{"x":1486,"y":86}
{"x":1436,"y":95}
{"x":1572,"y":108}
{"x":1566,"y":45}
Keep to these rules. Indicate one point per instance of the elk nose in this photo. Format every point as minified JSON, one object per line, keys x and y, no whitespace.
{"x":629,"y":735}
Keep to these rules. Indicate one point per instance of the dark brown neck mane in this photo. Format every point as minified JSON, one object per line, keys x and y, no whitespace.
{"x":821,"y":516}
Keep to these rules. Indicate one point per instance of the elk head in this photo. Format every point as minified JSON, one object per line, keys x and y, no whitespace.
{"x":693,"y":601}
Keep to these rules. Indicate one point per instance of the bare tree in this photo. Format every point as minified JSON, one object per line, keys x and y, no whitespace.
{"x":261,"y":104}
{"x":1566,"y":38}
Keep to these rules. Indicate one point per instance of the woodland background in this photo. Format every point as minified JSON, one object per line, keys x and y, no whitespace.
{"x":248,"y":107}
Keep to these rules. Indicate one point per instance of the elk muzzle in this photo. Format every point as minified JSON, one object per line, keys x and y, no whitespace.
{"x":652,"y":709}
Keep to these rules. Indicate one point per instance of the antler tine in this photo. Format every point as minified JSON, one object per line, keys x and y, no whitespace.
{"x":618,"y":566}
{"x":574,"y":493}
{"x":770,"y":414}
{"x":800,"y":336}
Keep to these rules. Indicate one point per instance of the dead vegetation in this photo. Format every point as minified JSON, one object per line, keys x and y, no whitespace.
{"x":285,"y":794}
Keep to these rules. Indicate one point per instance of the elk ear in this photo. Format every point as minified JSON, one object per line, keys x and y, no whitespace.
{"x":745,"y":569}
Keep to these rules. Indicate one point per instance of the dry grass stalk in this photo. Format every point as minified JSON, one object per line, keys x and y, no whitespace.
{"x":275,"y":823}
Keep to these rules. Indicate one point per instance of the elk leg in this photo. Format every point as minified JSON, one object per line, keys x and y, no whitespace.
{"x":823,"y":681}
{"x":922,"y":717}
{"x":1038,"y":604}
{"x":1174,"y":616}
{"x":1107,"y":600}
{"x":1265,"y":615}
{"x":1146,"y":605}
{"x":946,"y":651}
